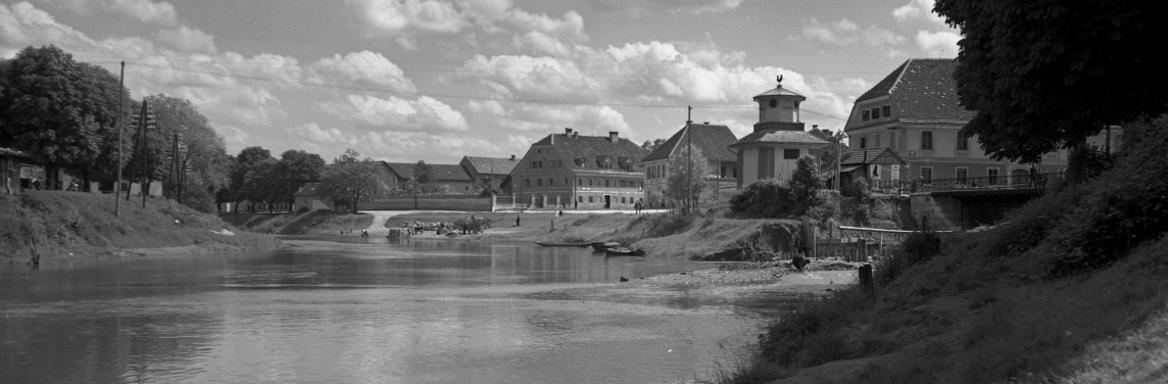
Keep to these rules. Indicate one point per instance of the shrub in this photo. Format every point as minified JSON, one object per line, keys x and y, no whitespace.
{"x":764,"y":198}
{"x":805,"y":184}
{"x":857,"y":188}
{"x":1085,"y":162}
{"x":917,"y":248}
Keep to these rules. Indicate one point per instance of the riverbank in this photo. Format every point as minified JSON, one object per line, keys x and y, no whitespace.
{"x":60,"y":229}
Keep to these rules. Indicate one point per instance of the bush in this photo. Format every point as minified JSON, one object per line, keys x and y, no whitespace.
{"x":917,"y":248}
{"x":805,"y":184}
{"x":764,"y":198}
{"x":1085,"y":162}
{"x":857,"y":188}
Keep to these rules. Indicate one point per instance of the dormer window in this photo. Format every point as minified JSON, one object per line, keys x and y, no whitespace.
{"x":875,"y":113}
{"x":886,"y":111}
{"x":866,"y":115}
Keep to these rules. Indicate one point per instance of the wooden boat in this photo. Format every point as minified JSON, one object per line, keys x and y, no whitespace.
{"x":624,"y":251}
{"x":601,"y":246}
{"x":559,"y":244}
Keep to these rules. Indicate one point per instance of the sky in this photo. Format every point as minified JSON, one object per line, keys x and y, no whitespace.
{"x":434,"y":80}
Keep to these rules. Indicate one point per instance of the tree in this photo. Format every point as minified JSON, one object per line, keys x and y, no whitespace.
{"x":423,"y":174}
{"x":806,"y":183}
{"x":352,"y":179}
{"x":686,"y":174}
{"x":829,"y":158}
{"x":244,"y":176}
{"x":295,"y":169}
{"x":650,"y":145}
{"x":56,"y":108}
{"x":205,"y":154}
{"x":1048,"y":74}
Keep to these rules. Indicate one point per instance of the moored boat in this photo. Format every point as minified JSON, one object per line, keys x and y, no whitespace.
{"x":601,"y":246}
{"x":624,"y":251}
{"x":563,"y":244}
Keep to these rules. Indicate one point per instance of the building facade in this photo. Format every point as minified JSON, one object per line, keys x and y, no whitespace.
{"x":915,"y":112}
{"x":778,"y":140}
{"x":713,"y":141}
{"x":445,"y":179}
{"x":490,"y":172}
{"x":571,"y":171}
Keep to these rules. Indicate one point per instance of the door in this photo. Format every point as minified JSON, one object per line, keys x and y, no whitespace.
{"x":607,"y":201}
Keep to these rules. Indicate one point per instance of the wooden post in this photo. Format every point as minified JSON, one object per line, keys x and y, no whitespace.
{"x":862,"y":244}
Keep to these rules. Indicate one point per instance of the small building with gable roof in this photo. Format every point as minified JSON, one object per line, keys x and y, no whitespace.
{"x":490,"y":172}
{"x":445,"y":179}
{"x":712,"y":140}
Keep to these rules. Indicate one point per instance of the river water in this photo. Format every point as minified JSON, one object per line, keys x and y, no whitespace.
{"x":322,"y":311}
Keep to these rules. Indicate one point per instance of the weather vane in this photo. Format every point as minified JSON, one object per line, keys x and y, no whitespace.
{"x":780,"y":80}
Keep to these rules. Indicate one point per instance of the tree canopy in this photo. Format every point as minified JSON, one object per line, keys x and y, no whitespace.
{"x":685,"y":183}
{"x":1048,"y":74}
{"x":353,"y":179}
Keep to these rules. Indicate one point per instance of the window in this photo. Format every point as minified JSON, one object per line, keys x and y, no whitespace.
{"x":551,"y":182}
{"x":790,"y":153}
{"x":875,"y":113}
{"x":927,"y":140}
{"x":766,"y":163}
{"x":962,"y":175}
{"x":886,"y":110}
{"x":579,"y":199}
{"x":992,"y":176}
{"x":773,"y":103}
{"x":622,"y":200}
{"x":877,"y":141}
{"x":527,"y":182}
{"x":567,"y":181}
{"x":875,"y":171}
{"x":539,"y":182}
{"x":589,"y":182}
{"x":895,"y":175}
{"x":892,"y":140}
{"x":962,"y":142}
{"x":580,"y":182}
{"x":927,"y":174}
{"x":866,"y":115}
{"x":863,"y":142}
{"x":589,"y":199}
{"x":606,"y":182}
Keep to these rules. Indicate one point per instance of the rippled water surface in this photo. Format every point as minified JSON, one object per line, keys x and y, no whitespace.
{"x":326,"y":312}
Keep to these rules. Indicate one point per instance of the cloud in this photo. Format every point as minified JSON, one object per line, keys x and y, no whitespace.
{"x":330,"y":136}
{"x":917,"y":10}
{"x":187,"y":39}
{"x":424,"y":113}
{"x":443,"y":147}
{"x":589,"y":119}
{"x":939,"y":44}
{"x":22,"y":24}
{"x":410,"y":17}
{"x":365,"y":67}
{"x":845,"y":33}
{"x":672,"y":6}
{"x":528,"y":77}
{"x":146,"y":11}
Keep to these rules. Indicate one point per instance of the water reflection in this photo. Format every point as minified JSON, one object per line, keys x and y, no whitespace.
{"x":319,"y":311}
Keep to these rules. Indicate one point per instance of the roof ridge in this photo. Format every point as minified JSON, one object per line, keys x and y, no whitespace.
{"x":907,"y":65}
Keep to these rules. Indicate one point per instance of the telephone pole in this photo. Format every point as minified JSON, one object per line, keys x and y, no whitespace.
{"x":692,"y":203}
{"x":121,"y":119}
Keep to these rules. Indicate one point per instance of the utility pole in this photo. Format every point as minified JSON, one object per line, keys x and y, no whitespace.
{"x":121,"y":119}
{"x":839,"y":158}
{"x":689,"y":156}
{"x":145,"y":157}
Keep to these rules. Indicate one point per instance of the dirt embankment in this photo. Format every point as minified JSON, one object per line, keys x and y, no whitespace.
{"x":302,"y":223}
{"x":60,"y":228}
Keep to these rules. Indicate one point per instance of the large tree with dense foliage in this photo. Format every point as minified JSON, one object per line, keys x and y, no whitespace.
{"x":295,"y":169}
{"x":205,"y":154}
{"x":59,"y":110}
{"x":1044,"y":74}
{"x":244,"y":175}
{"x":686,"y":176}
{"x":353,"y":179}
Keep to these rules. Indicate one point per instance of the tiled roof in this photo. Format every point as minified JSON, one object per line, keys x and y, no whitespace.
{"x":867,"y":156}
{"x":570,"y":147}
{"x":779,"y":91}
{"x":713,"y":140}
{"x":922,"y":89}
{"x":439,"y":172}
{"x":492,"y":165}
{"x":780,"y":136}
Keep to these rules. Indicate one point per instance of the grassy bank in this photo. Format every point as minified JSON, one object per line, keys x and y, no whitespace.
{"x":1047,"y":296}
{"x":74,"y":227}
{"x":311,"y":222}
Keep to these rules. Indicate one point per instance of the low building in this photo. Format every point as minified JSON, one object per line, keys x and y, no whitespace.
{"x":19,"y":171}
{"x":713,"y":141}
{"x":778,"y":140}
{"x":445,"y":179}
{"x":309,"y":197}
{"x":882,"y":169}
{"x":571,"y":171}
{"x":490,"y":172}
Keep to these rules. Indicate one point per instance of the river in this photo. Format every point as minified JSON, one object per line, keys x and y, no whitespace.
{"x":323,"y":311}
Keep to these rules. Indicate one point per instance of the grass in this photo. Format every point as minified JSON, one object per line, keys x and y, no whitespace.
{"x":318,"y":221}
{"x":56,"y":225}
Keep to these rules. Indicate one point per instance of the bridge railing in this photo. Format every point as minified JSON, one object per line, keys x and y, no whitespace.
{"x":1000,"y":182}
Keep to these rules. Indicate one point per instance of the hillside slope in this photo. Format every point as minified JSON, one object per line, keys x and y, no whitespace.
{"x":74,"y":227}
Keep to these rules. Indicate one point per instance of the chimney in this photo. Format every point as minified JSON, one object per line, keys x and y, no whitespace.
{"x":568,"y":131}
{"x":814,"y":126}
{"x":705,"y":123}
{"x":612,"y":136}
{"x":512,"y":157}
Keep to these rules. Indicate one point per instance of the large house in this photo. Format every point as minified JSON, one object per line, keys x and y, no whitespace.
{"x":572,"y":171}
{"x":713,"y":141}
{"x":447,"y":179}
{"x":915,"y":112}
{"x":778,"y":140}
{"x":490,"y":172}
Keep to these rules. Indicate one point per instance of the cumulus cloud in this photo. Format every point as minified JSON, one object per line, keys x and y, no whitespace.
{"x":443,"y":147}
{"x":187,"y":39}
{"x":917,"y":10}
{"x":409,"y":17}
{"x":330,"y":136}
{"x":940,"y":44}
{"x":846,"y":32}
{"x":146,"y":11}
{"x":365,"y":67}
{"x":544,"y":78}
{"x":597,"y":119}
{"x":22,"y":24}
{"x":672,"y":6}
{"x":423,"y":113}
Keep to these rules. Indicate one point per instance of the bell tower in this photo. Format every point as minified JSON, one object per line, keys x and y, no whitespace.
{"x":778,"y":109}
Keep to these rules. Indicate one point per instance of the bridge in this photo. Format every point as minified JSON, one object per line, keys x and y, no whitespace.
{"x":968,"y":202}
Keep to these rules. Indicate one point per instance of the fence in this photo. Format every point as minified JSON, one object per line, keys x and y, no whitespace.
{"x":429,"y":203}
{"x":860,"y":244}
